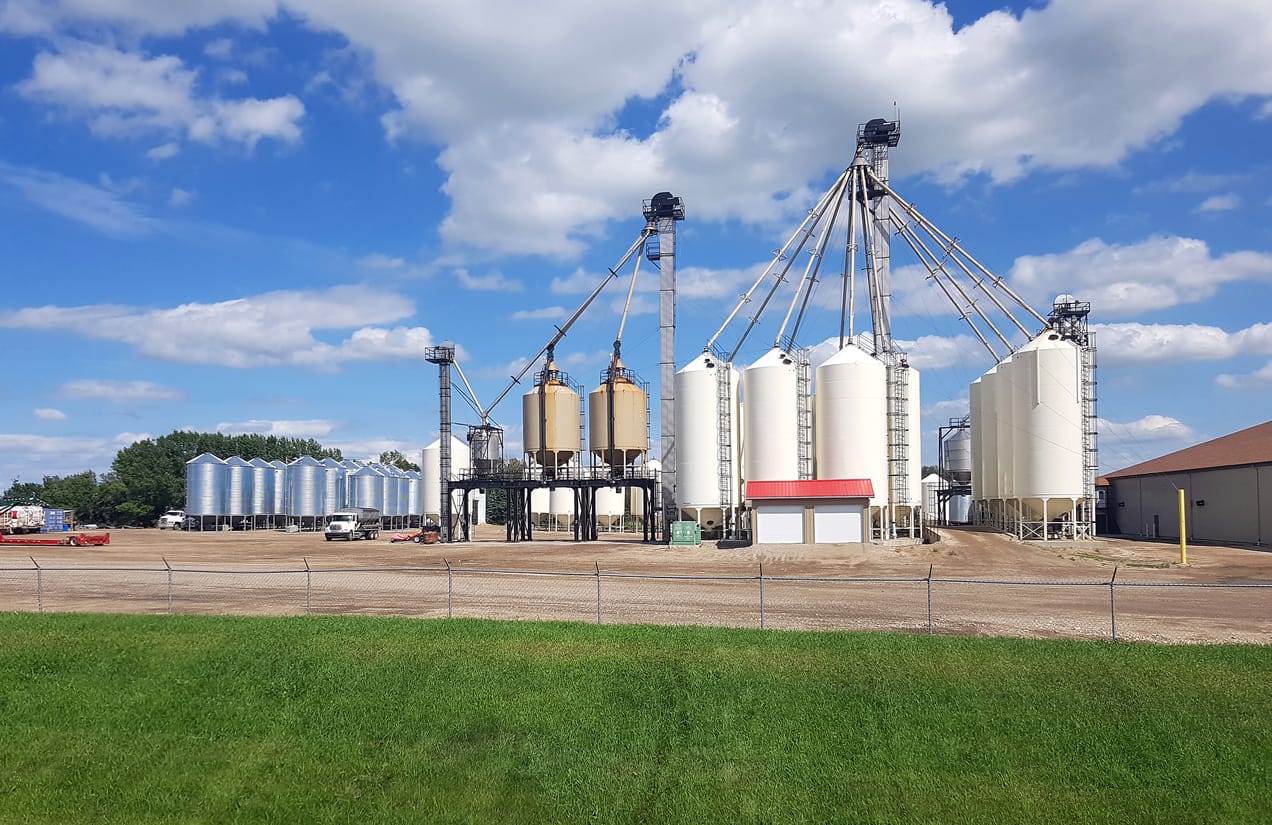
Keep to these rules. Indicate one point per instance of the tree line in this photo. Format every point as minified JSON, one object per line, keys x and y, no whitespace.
{"x":148,"y":477}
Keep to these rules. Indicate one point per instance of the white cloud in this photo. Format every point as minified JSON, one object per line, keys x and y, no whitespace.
{"x":31,"y":457}
{"x":48,"y":414}
{"x":94,"y":206}
{"x":942,"y":411}
{"x":180,"y":197}
{"x":935,"y":352}
{"x":1123,"y":280}
{"x":492,"y":282}
{"x":1126,"y":344}
{"x":306,"y":428}
{"x":221,"y":49}
{"x":1148,"y":428}
{"x":1220,"y":203}
{"x":378,"y":260}
{"x":541,"y":314}
{"x":1259,"y":378}
{"x":128,"y":93}
{"x":537,"y":164}
{"x":164,"y":151}
{"x":369,"y":449}
{"x":120,"y":392}
{"x":271,"y":329}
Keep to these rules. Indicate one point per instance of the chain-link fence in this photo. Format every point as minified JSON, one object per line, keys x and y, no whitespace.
{"x":1103,"y":608}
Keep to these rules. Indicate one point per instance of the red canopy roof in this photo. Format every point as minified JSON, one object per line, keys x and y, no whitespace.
{"x":811,"y":488}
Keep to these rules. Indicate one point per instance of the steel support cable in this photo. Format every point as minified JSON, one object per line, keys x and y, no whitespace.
{"x":934,"y":266}
{"x":469,"y":396}
{"x":848,"y":295}
{"x":805,"y":232}
{"x":953,"y":246}
{"x":974,"y":304}
{"x":809,"y":280}
{"x":778,"y":257}
{"x":645,"y":234}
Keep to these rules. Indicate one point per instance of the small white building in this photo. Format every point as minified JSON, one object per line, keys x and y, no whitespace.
{"x":813,"y":511}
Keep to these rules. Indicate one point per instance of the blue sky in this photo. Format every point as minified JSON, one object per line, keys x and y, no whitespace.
{"x":254,"y":216}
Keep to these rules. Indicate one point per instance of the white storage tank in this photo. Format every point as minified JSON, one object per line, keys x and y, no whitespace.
{"x":1047,"y":439}
{"x":976,"y":437}
{"x":1004,"y":426}
{"x":631,"y":420}
{"x":609,"y":508}
{"x":851,"y":422}
{"x":636,"y":495}
{"x":540,"y":503}
{"x":771,"y":415}
{"x":389,"y":489}
{"x":989,"y":431}
{"x":558,"y":442}
{"x":914,"y":472}
{"x":431,"y":473}
{"x":698,"y":464}
{"x":561,"y":507}
{"x":415,"y":493}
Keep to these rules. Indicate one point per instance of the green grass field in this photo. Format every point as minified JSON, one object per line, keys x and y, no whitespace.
{"x":188,"y":719}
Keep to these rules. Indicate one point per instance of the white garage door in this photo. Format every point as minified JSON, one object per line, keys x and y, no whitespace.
{"x":779,"y":524}
{"x":837,"y":523}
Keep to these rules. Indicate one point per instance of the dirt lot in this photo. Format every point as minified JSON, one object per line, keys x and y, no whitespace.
{"x":264,"y":572}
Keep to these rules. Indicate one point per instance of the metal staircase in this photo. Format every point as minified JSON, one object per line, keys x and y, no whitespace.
{"x":804,"y":420}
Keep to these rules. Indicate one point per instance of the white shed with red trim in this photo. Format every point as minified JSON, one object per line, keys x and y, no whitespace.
{"x":812,"y":511}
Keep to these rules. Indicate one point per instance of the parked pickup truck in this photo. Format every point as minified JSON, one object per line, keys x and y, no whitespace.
{"x":353,"y":523}
{"x":172,"y":520}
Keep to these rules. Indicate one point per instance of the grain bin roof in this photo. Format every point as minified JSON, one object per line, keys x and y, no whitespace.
{"x":1249,"y":446}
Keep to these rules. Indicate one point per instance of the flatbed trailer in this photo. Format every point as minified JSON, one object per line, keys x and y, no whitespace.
{"x":72,"y":540}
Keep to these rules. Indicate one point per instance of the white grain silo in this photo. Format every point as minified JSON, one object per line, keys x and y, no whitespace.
{"x":550,"y":422}
{"x":365,"y":487}
{"x":431,"y":472}
{"x":540,"y":502}
{"x":1047,"y":438}
{"x":561,"y":508}
{"x":610,"y":503}
{"x":414,"y":497}
{"x":628,"y":426}
{"x":700,"y":386}
{"x":771,"y":415}
{"x":976,"y":437}
{"x":851,"y":422}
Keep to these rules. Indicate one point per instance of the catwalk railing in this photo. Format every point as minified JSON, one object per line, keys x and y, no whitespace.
{"x":1077,"y":608}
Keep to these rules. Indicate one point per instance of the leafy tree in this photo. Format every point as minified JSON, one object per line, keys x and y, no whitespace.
{"x":398,"y":460}
{"x":23,"y":491}
{"x":497,"y":498}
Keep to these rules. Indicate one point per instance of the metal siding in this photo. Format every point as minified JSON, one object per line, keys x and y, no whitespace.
{"x":1231,"y":511}
{"x":779,"y":524}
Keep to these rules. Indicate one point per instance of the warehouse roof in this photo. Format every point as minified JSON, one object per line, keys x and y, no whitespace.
{"x":1249,"y":446}
{"x":811,"y":488}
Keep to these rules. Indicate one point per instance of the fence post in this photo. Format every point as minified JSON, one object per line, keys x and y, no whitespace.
{"x":168,"y":567}
{"x":1113,"y":604}
{"x":450,"y":591}
{"x":39,"y":585}
{"x":761,"y":595}
{"x":308,"y":589}
{"x":929,"y":589}
{"x":598,"y":591}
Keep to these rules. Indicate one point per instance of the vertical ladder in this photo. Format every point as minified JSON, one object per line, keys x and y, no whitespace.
{"x":898,"y":433}
{"x":724,"y":436}
{"x":1085,"y":526}
{"x":804,"y":411}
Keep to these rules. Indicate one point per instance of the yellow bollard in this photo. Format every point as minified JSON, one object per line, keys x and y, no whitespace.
{"x":1183,"y":532}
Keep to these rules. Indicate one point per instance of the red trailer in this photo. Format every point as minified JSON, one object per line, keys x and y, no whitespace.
{"x":48,"y":540}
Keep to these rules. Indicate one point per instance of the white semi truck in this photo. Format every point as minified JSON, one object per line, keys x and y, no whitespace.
{"x":21,"y":518}
{"x":351,"y":523}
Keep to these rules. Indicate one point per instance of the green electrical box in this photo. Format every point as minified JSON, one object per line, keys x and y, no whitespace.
{"x":688,"y":533}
